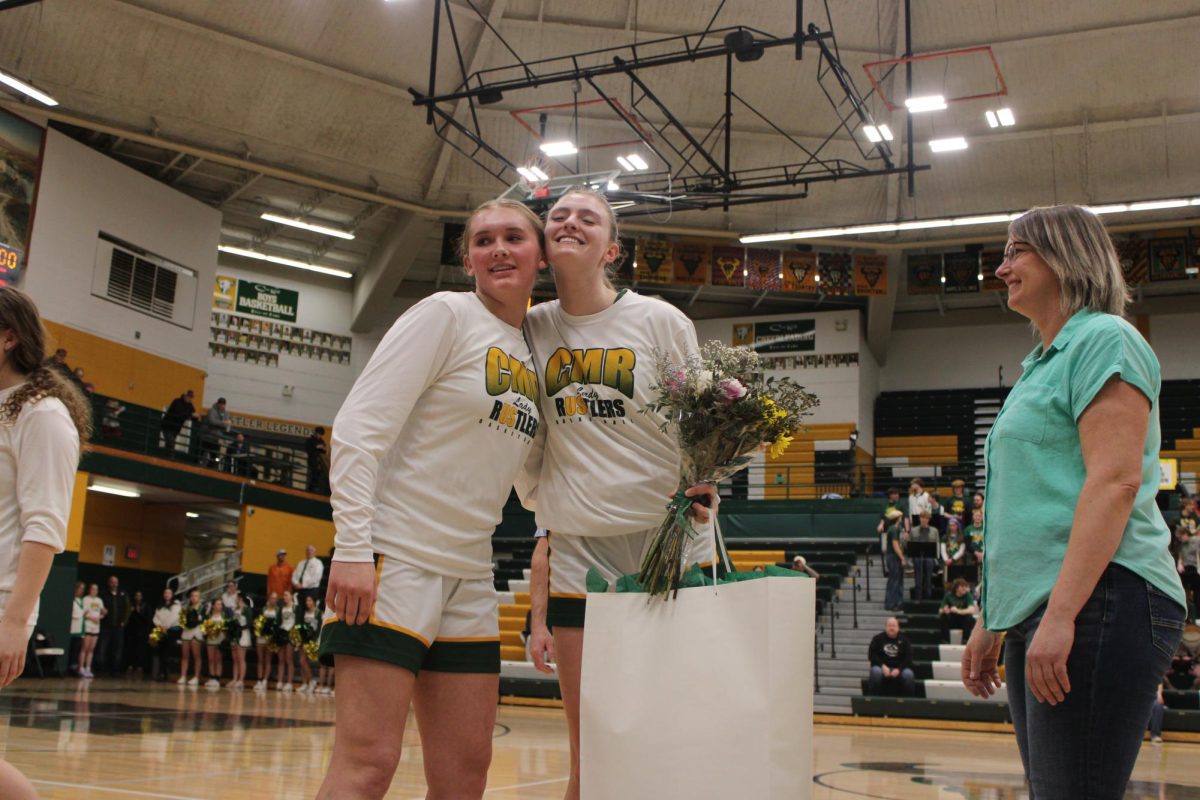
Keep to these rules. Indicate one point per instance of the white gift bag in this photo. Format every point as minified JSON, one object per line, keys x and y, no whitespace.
{"x":708,"y":695}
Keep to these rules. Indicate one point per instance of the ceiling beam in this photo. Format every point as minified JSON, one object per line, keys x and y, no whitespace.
{"x":1083,"y":34}
{"x":394,"y":255}
{"x":479,"y":58}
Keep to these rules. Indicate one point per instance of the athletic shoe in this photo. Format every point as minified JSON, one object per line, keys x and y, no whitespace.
{"x":1156,"y":739}
{"x":182,"y":680}
{"x":279,"y":686}
{"x":261,"y":686}
{"x":212,"y":683}
{"x":287,"y":687}
{"x":194,"y":682}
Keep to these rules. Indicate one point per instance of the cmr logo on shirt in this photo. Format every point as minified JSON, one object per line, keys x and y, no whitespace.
{"x":612,"y":367}
{"x":506,"y":373}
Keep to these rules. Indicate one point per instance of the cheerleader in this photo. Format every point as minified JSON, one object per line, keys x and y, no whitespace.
{"x":287,"y":621}
{"x":190,"y":618}
{"x":607,"y":469}
{"x":43,"y":420}
{"x":312,"y":624}
{"x":215,"y":637}
{"x":77,"y":625}
{"x":241,"y":622}
{"x":450,"y":391}
{"x":93,"y":612}
{"x":264,"y":631}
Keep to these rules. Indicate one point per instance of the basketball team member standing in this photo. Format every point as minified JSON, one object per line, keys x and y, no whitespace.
{"x":1077,"y":568}
{"x":607,"y":471}
{"x":43,"y":420}
{"x":425,"y":450}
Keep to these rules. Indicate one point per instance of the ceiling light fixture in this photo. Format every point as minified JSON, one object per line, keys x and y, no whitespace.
{"x":1006,"y":117}
{"x":556,"y":149}
{"x":103,"y":488}
{"x":613,"y":186}
{"x":287,"y":262}
{"x":192,"y":515}
{"x":992,"y":120}
{"x":954,"y":222}
{"x":948,"y":145}
{"x":637,"y":161}
{"x":24,"y":88}
{"x":626,"y":164}
{"x":307,"y":226}
{"x":877,"y":133}
{"x":933,"y":102}
{"x":528,"y":174}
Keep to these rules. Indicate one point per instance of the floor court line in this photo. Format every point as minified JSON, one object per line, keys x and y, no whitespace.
{"x":127,"y":792}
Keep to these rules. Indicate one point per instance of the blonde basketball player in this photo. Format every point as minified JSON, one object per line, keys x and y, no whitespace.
{"x":607,"y":471}
{"x":425,"y":451}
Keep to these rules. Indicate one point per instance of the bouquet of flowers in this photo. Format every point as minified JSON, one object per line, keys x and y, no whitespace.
{"x":157,"y":634}
{"x":722,"y":408}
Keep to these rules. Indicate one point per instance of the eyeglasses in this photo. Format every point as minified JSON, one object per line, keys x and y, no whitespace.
{"x":1011,"y":253}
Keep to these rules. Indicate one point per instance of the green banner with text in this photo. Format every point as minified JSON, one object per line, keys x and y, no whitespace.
{"x":262,"y":300}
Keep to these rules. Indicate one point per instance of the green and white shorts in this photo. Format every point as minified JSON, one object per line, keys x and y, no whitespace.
{"x":422,"y":620}
{"x":571,"y":557}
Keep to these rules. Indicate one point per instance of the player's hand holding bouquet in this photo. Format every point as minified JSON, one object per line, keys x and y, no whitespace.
{"x":722,"y":408}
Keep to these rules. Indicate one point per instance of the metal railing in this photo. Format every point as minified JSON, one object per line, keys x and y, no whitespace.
{"x":209,"y":578}
{"x":138,"y":429}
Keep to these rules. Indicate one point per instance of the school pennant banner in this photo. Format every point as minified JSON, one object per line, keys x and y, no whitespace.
{"x":870,"y":275}
{"x":727,"y":266}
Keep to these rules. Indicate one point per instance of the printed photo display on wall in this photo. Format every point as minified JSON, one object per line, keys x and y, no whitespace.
{"x":262,"y":342}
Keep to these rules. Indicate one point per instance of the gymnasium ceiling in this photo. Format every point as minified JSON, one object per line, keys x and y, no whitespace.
{"x":302,"y":106}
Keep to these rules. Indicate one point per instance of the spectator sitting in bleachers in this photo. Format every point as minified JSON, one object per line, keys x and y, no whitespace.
{"x":1185,"y":666}
{"x":977,"y":502}
{"x":58,"y":363}
{"x":110,"y":422}
{"x":800,"y":564}
{"x":923,"y":548}
{"x":890,"y":655}
{"x":958,"y":610}
{"x":955,"y":552}
{"x":1188,"y":561}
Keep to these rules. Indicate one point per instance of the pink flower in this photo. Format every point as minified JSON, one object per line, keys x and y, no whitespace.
{"x":732,"y":389}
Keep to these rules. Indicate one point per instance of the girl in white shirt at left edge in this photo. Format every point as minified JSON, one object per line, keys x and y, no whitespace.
{"x":43,"y":422}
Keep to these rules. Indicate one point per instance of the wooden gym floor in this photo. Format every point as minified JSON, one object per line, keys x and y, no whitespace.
{"x":109,"y":739}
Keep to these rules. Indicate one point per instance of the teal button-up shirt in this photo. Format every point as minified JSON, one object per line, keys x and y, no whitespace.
{"x":1035,"y":469}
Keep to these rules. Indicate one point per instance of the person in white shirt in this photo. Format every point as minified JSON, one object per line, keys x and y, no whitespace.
{"x":230,"y":597}
{"x":93,"y":612}
{"x":306,"y":577}
{"x":216,"y":662}
{"x":43,"y":420}
{"x":608,"y":469}
{"x":166,"y":616}
{"x":190,"y":637}
{"x":287,"y":621}
{"x":262,"y":642}
{"x":238,"y":646}
{"x":425,"y":450}
{"x":76,"y":626}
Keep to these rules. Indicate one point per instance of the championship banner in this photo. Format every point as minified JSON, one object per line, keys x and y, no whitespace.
{"x":727,"y":266}
{"x":870,"y":275}
{"x":800,"y":271}
{"x":1168,"y":259}
{"x":962,"y":272}
{"x":762,"y":266}
{"x":1134,"y":256}
{"x":989,"y":262}
{"x":784,"y":336}
{"x":452,"y":234}
{"x":654,"y":261}
{"x":624,"y":265}
{"x":925,"y":274}
{"x":835,"y":272}
{"x":223,"y":292}
{"x":690,"y":259}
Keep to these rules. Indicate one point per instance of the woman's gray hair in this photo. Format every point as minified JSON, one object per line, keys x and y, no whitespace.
{"x":1080,"y":253}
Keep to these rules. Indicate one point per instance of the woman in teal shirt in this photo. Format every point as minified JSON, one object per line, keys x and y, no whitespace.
{"x":1077,"y":569}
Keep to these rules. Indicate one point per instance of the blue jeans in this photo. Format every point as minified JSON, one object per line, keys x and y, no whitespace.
{"x":1085,"y":747}
{"x":894,"y":596}
{"x":908,"y":682}
{"x":1156,"y":718}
